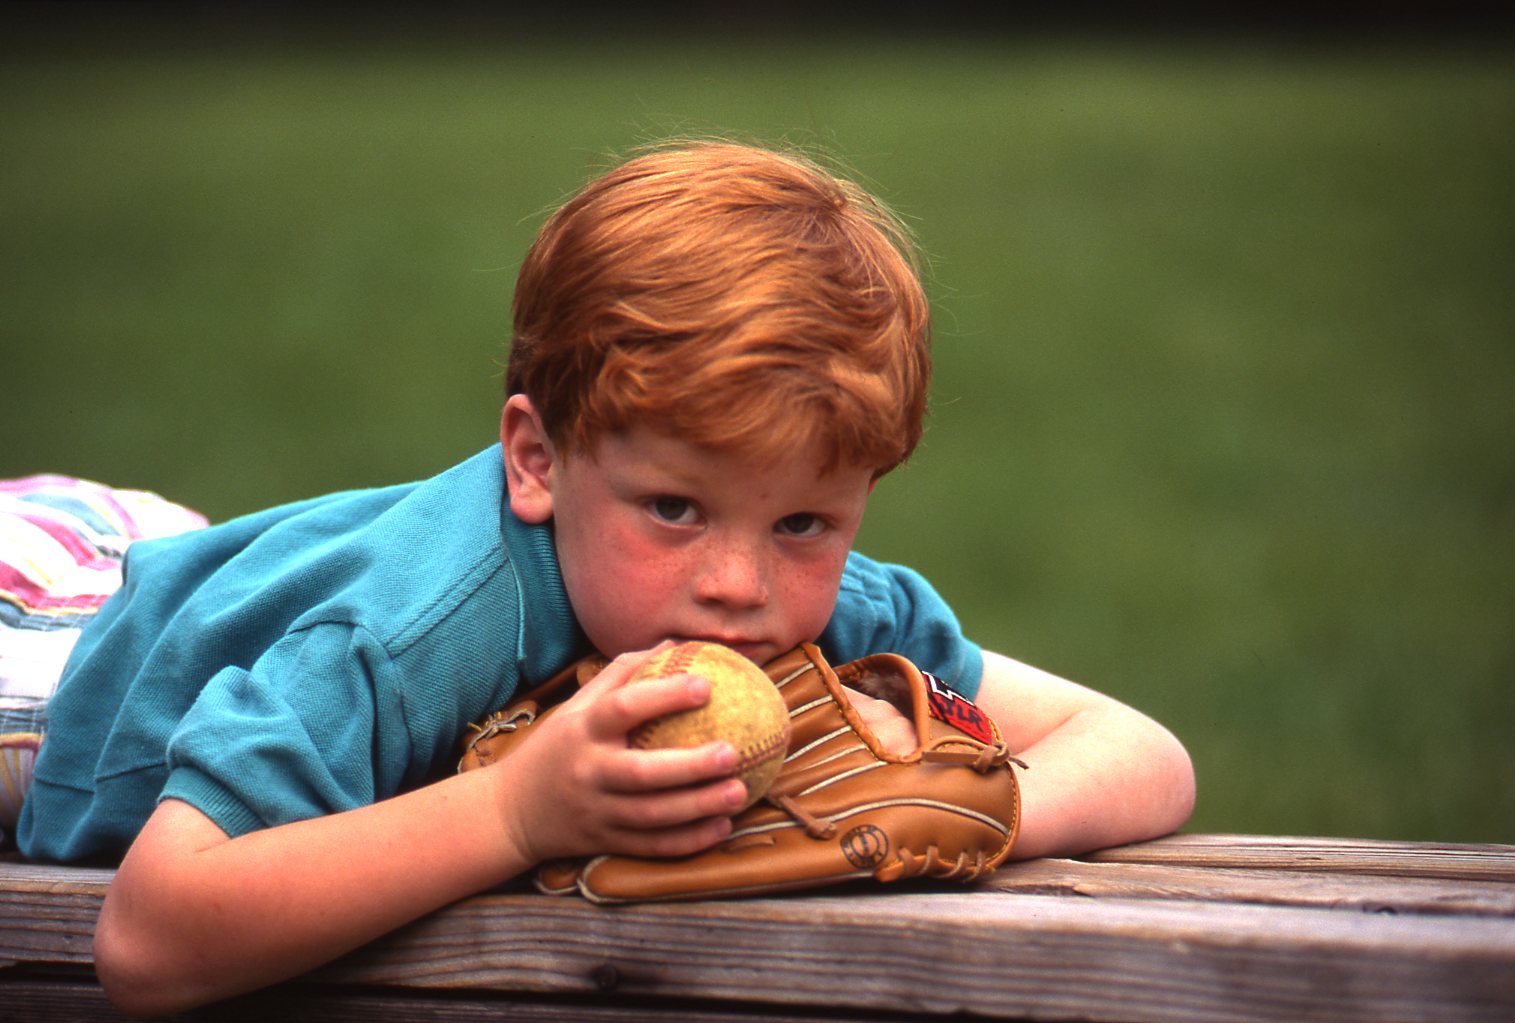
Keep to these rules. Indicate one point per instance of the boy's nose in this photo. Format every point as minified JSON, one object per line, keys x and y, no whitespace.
{"x":733,"y":575}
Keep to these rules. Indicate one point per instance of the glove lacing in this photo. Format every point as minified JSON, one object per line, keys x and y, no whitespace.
{"x":982,"y":757}
{"x":909,"y":864}
{"x":815,"y":827}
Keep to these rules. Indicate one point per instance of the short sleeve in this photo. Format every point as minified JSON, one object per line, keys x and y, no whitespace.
{"x":883,"y":608}
{"x":314,"y":727}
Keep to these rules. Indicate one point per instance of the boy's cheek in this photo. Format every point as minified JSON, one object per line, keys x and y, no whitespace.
{"x":644,"y":569}
{"x":810,"y":596}
{"x":622,"y":601}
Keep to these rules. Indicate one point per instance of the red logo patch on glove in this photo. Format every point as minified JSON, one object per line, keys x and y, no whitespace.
{"x":957,"y":711}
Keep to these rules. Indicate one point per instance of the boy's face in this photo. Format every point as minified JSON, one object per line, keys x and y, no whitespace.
{"x":662,"y":539}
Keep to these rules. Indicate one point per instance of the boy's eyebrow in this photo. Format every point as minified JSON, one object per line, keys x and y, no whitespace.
{"x":669,"y":474}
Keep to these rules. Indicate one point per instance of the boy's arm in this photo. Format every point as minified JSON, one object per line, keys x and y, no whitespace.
{"x":1099,"y":773}
{"x":194,"y":916}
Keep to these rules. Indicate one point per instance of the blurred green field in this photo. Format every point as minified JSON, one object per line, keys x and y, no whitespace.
{"x":1223,"y":417}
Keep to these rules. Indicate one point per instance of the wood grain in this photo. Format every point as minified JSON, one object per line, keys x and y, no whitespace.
{"x":56,"y":1000}
{"x":1222,"y":928}
{"x":47,"y":914}
{"x":1367,"y":893}
{"x":1033,"y":956}
{"x":1324,"y":855}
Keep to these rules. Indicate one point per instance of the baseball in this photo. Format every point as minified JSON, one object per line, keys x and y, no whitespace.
{"x":745,"y":709}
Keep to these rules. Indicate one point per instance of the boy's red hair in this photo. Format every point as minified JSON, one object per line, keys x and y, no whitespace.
{"x":739,"y":297}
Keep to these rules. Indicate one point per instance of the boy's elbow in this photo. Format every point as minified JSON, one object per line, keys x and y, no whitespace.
{"x":132,"y":976}
{"x":117,"y":973}
{"x":1177,"y":782}
{"x":124,"y":976}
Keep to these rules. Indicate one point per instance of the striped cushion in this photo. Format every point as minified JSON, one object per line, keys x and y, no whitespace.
{"x":61,"y":544}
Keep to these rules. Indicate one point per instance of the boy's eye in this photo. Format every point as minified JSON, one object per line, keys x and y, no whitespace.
{"x":801,"y":524}
{"x":673,"y":510}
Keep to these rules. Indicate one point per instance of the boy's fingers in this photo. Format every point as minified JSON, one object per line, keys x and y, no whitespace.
{"x":681,"y":841}
{"x":654,"y":770}
{"x":895,"y":731}
{"x":680,"y":807}
{"x":615,"y":674}
{"x":619,"y":711}
{"x":619,"y":671}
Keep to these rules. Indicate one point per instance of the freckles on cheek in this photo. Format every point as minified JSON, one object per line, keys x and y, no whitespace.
{"x":645,"y":564}
{"x":812,"y":593}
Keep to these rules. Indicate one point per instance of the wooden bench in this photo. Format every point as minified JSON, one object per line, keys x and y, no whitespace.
{"x":1194,"y":927}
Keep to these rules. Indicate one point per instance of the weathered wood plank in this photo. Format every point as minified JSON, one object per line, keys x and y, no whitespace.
{"x":47,"y":877}
{"x":30,"y":1000}
{"x":1335,"y":855}
{"x":1326,"y":890}
{"x":47,"y":914}
{"x":1043,"y":957}
{"x":54,"y":1000}
{"x":1171,"y":940}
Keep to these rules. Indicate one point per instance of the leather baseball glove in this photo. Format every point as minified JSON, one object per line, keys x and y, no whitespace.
{"x":842,"y":808}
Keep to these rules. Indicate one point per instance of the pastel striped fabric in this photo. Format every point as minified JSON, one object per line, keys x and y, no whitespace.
{"x":61,"y":544}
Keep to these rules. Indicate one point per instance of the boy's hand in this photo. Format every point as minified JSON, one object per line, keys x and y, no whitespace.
{"x":576,"y":788}
{"x":892,"y":729}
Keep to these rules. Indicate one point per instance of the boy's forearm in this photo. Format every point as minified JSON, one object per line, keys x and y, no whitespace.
{"x":1105,"y":777}
{"x":194,"y":917}
{"x":1098,"y":772}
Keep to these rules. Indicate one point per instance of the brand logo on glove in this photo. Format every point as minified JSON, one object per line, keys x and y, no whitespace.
{"x":958,"y":711}
{"x":865,"y":846}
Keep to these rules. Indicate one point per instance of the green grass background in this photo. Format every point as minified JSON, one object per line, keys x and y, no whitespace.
{"x":1222,"y":421}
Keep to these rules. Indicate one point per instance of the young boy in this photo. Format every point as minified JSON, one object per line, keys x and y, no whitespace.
{"x":718,"y":351}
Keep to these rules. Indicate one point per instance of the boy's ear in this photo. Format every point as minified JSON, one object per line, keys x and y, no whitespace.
{"x":529,"y":457}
